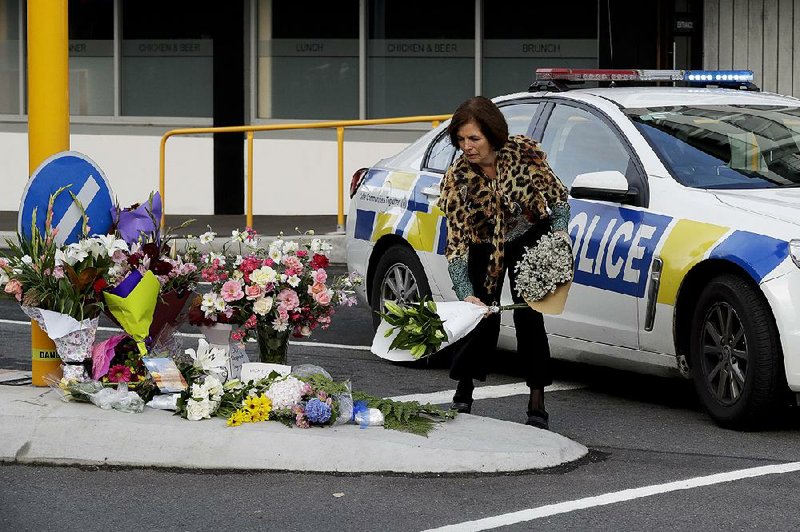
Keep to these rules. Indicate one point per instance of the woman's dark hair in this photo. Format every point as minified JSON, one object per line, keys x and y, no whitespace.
{"x":486,"y":115}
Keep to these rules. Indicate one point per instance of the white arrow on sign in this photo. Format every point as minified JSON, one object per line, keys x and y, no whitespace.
{"x":72,"y":217}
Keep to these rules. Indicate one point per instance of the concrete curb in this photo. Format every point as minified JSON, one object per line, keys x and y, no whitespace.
{"x":37,"y":427}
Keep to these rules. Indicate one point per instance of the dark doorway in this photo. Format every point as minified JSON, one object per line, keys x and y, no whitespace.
{"x":228,"y":104}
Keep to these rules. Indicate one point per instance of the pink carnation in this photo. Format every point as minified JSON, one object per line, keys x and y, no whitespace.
{"x":293,"y":263}
{"x":14,"y":287}
{"x":288,"y":299}
{"x":319,"y":276}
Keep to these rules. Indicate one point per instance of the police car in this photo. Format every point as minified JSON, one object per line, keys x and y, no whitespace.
{"x":685,"y":224}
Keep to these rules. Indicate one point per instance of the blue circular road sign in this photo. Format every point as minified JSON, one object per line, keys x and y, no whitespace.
{"x":85,"y":180}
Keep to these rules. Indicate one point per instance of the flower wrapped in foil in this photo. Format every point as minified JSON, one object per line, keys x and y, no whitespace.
{"x":73,"y":339}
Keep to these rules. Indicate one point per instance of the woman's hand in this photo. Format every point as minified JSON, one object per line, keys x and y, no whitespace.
{"x":475,"y":301}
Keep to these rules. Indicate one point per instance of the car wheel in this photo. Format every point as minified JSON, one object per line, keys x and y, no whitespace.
{"x":398,"y":277}
{"x":737,"y":363}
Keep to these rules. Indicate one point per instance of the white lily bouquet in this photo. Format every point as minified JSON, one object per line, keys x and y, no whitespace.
{"x":544,"y":274}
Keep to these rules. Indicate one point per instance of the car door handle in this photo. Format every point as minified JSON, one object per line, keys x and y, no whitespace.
{"x":433,"y":192}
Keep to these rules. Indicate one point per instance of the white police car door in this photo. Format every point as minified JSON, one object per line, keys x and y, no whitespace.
{"x":609,"y":239}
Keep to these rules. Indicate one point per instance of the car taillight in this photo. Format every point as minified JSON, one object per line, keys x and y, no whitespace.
{"x":355,"y":182}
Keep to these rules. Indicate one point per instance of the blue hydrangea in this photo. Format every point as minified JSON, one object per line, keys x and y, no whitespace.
{"x":317,"y":411}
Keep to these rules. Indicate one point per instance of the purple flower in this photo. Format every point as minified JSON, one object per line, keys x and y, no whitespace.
{"x":317,"y":411}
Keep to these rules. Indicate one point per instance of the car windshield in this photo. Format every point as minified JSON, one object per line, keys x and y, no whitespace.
{"x":725,"y":146}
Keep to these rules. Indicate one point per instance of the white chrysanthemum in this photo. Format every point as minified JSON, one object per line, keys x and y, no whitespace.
{"x":286,"y":392}
{"x":213,"y":386}
{"x":290,"y":247}
{"x":197,"y":410}
{"x":279,"y":325}
{"x":316,"y":245}
{"x":198,"y":392}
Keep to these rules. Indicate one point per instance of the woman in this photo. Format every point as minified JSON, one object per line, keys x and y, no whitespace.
{"x":498,"y":197}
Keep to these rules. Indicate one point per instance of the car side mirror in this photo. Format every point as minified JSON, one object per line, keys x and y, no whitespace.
{"x":608,"y":185}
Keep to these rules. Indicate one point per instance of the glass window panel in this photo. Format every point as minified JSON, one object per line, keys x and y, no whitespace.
{"x":9,"y":56}
{"x":420,"y":57}
{"x":441,"y":153}
{"x":519,"y":116}
{"x":515,"y":46}
{"x":571,"y":139}
{"x":167,"y":58}
{"x":308,"y":60}
{"x":91,"y":57}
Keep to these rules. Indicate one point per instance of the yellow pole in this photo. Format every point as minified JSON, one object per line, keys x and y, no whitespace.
{"x":161,"y":178}
{"x":250,"y":179}
{"x":340,"y":152}
{"x":48,"y":126}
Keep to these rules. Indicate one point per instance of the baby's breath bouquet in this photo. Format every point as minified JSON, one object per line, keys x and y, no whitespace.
{"x":545,"y":273}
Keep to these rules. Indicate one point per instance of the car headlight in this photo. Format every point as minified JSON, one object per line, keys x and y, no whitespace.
{"x":794,"y":251}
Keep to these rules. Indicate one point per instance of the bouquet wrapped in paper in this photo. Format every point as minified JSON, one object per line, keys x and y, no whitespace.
{"x":139,"y":222}
{"x":418,"y":330}
{"x":73,"y":339}
{"x":132,"y":303}
{"x":544,"y":274}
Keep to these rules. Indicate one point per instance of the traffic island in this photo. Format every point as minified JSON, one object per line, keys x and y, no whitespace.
{"x":36,"y":426}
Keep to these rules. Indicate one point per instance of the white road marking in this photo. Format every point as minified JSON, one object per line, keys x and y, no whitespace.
{"x":486,"y":392}
{"x":73,"y":215}
{"x":615,"y":497}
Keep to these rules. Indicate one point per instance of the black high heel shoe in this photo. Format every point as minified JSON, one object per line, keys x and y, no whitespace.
{"x":538,"y":419}
{"x":461,"y":407}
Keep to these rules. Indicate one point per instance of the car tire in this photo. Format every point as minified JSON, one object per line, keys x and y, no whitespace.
{"x":399,"y":276}
{"x":737,"y":362}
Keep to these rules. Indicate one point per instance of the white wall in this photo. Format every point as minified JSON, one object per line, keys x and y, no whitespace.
{"x":291,"y":177}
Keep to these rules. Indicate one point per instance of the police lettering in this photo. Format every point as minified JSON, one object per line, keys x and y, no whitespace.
{"x":620,"y":245}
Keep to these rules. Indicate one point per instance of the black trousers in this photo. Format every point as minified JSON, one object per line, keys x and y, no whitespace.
{"x":473,"y":353}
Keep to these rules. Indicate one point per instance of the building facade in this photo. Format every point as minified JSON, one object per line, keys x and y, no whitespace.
{"x":139,"y":68}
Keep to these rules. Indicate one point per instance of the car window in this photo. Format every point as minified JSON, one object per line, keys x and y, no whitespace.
{"x":725,"y":146}
{"x":442,"y":153}
{"x":519,"y":117}
{"x":577,"y":142}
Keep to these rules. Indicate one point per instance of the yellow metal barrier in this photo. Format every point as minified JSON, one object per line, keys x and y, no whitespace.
{"x":250,"y":130}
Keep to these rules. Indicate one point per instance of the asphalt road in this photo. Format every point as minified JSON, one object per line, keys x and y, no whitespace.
{"x":643,"y":431}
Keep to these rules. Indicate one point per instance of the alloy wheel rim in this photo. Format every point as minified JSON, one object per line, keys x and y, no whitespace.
{"x":399,"y":285}
{"x":725,"y":355}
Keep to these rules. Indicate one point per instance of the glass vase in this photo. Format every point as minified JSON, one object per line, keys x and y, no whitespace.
{"x":272,"y":345}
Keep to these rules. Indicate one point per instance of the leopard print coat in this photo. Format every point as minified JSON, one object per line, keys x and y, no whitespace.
{"x":481,"y":209}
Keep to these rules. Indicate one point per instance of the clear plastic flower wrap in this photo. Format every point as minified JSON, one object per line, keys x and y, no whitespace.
{"x":119,"y":398}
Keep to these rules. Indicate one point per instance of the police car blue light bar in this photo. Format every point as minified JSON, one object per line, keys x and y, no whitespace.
{"x":599,"y":74}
